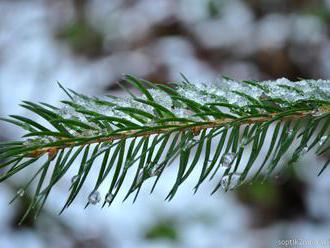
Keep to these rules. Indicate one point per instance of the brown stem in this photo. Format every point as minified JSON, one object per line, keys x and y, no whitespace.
{"x":52,"y":151}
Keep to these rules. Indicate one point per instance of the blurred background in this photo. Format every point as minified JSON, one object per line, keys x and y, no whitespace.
{"x":88,"y":45}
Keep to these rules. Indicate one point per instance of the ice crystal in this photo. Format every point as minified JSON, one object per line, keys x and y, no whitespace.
{"x":190,"y":144}
{"x":290,"y":132}
{"x":109,"y":198}
{"x":20,"y":192}
{"x":323,"y":139}
{"x":89,"y":133}
{"x":161,"y":98}
{"x":74,"y":179}
{"x":180,"y":112}
{"x":140,"y":177}
{"x":305,"y":89}
{"x":244,"y":141}
{"x":316,"y":113}
{"x":227,"y":159}
{"x":231,"y":181}
{"x":156,"y":169}
{"x":94,"y":198}
{"x":130,"y":102}
{"x":38,"y":141}
{"x":304,"y":151}
{"x":223,"y":90}
{"x":67,"y":112}
{"x":226,"y":90}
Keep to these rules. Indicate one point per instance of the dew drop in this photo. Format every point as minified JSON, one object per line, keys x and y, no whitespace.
{"x":246,"y":109}
{"x":196,"y":133}
{"x":244,"y":141}
{"x":316,"y":113}
{"x":290,"y":132}
{"x":94,"y":197}
{"x":227,"y":159}
{"x":140,"y":177}
{"x":72,"y":132}
{"x":109,"y":198}
{"x":74,"y":179}
{"x":89,"y":133}
{"x":104,"y":147}
{"x":262,"y":111}
{"x":230,"y":182}
{"x":152,"y":123}
{"x":156,"y":170}
{"x":192,"y":142}
{"x":20,"y":192}
{"x":323,"y":139}
{"x":32,"y":142}
{"x":263,"y":96}
{"x":304,"y":150}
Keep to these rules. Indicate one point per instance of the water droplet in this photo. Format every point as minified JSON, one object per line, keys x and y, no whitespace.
{"x":89,"y":133}
{"x":106,"y":144}
{"x":244,"y":141}
{"x":161,"y":97}
{"x":104,"y":147}
{"x":156,"y":170}
{"x":74,"y":179}
{"x":66,"y":112}
{"x":94,"y":197}
{"x":290,"y":132}
{"x":304,"y":150}
{"x":155,"y":113}
{"x":323,"y":139}
{"x":109,"y":198}
{"x":28,"y":142}
{"x":227,"y":159}
{"x":72,"y":132}
{"x":246,"y":109}
{"x":190,"y":144}
{"x":316,"y":113}
{"x":104,"y":131}
{"x":33,"y":142}
{"x":193,"y":141}
{"x":152,"y":123}
{"x":263,"y":96}
{"x":230,"y":182}
{"x":20,"y":192}
{"x":140,"y":177}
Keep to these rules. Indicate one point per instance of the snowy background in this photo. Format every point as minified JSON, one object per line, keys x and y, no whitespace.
{"x":88,"y":45}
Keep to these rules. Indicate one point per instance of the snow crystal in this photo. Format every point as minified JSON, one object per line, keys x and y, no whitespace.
{"x":223,"y":90}
{"x":231,"y":181}
{"x":228,"y":91}
{"x":161,"y":98}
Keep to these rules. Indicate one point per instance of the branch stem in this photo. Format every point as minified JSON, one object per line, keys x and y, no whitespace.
{"x":52,"y":151}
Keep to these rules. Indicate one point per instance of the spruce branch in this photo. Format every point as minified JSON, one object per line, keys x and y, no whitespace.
{"x":144,"y":133}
